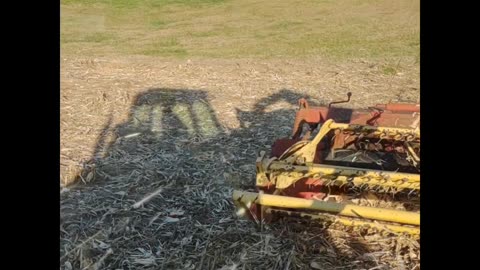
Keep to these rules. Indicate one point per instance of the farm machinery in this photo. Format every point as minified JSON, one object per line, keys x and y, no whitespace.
{"x":353,"y":167}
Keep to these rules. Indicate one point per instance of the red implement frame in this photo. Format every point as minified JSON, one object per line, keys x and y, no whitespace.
{"x":387,"y":115}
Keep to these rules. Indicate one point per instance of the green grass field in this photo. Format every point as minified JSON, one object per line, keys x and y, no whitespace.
{"x":331,"y":29}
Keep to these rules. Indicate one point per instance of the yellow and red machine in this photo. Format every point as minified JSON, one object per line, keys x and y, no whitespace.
{"x":355,"y":167}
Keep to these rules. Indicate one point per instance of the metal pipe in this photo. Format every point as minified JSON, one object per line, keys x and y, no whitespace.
{"x":400,"y":107}
{"x":350,"y":210}
{"x":349,"y":222}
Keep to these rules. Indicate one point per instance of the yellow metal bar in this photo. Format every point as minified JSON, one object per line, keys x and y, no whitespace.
{"x":350,"y":222}
{"x":342,"y":175}
{"x":311,"y":148}
{"x":410,"y":150}
{"x":375,"y":129}
{"x":351,"y":210}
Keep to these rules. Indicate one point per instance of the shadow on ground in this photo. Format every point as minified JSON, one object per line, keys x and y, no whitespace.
{"x":172,"y":145}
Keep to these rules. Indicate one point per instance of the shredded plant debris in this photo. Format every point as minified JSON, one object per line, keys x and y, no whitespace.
{"x":155,"y":191}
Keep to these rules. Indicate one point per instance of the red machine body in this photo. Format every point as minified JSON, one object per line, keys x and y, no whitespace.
{"x":387,"y":115}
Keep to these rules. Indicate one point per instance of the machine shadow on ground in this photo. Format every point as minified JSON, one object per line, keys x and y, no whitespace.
{"x":173,"y":142}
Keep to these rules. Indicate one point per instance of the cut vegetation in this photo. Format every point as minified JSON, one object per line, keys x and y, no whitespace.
{"x":165,"y":103}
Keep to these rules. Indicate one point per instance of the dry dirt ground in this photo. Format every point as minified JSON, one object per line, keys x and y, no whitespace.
{"x":190,"y":129}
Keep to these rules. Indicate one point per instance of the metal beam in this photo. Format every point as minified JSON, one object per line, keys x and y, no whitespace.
{"x":403,"y":217}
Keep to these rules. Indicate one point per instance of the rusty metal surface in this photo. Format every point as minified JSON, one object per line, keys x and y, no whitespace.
{"x":400,"y":107}
{"x":389,"y":115}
